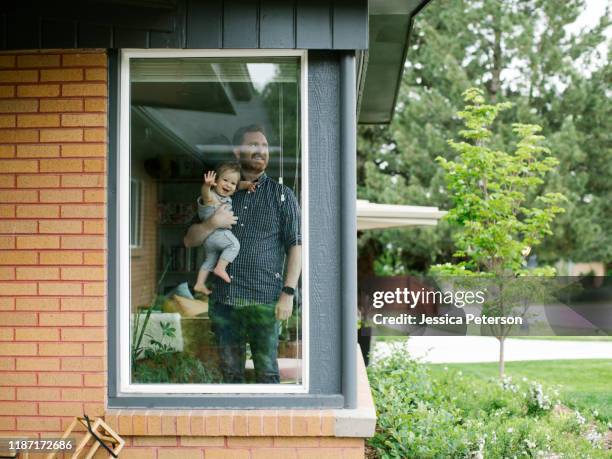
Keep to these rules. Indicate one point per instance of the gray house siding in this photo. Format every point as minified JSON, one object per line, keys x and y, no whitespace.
{"x":191,"y":24}
{"x":325,"y":223}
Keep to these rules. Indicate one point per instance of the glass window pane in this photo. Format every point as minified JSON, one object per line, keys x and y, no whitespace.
{"x":205,"y":134}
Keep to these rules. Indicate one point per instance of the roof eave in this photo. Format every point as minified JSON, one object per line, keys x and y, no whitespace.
{"x":390,"y":24}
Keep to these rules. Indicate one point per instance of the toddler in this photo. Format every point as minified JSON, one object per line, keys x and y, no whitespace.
{"x":221,"y":246}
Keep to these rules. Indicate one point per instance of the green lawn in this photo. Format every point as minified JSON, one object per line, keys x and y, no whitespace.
{"x":566,"y":338}
{"x":583,"y":384}
{"x":545,"y":338}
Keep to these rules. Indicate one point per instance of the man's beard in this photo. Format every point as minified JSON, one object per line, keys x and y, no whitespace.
{"x":254,"y":166}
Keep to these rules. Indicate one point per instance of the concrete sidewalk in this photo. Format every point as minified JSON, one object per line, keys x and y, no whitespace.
{"x":462,"y":349}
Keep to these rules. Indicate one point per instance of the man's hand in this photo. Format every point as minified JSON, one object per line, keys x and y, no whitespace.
{"x":223,"y":218}
{"x":284,"y":307}
{"x":247,"y":185}
{"x":198,"y":232}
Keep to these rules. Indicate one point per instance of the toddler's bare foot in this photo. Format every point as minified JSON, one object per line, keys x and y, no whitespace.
{"x":222,"y":274}
{"x":202,"y":289}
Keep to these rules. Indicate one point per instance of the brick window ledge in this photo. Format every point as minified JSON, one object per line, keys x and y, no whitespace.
{"x":358,"y":422}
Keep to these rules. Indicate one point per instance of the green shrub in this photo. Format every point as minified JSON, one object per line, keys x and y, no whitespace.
{"x":174,"y":368}
{"x":449,"y":415}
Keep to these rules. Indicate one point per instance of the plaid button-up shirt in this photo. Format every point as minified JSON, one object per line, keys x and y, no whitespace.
{"x":267,"y":227}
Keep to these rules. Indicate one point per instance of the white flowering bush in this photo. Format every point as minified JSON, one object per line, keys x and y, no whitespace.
{"x":440,"y":413}
{"x":580,"y":419}
{"x":595,"y":437}
{"x":506,"y":384}
{"x":538,"y":400}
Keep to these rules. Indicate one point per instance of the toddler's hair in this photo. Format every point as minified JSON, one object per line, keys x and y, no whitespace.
{"x":224,"y":167}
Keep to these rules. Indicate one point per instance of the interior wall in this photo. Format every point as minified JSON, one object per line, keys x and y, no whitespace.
{"x":144,"y":259}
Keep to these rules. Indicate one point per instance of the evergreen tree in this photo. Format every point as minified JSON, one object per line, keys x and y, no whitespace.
{"x":518,"y":51}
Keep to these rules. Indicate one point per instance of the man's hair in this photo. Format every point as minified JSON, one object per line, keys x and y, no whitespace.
{"x":240,"y":132}
{"x":225,"y":167}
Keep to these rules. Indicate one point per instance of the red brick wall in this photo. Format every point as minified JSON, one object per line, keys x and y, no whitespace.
{"x":227,"y":434}
{"x":52,"y":238}
{"x":243,"y":448}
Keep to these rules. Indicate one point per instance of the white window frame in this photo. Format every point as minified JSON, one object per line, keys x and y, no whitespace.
{"x":125,"y":386}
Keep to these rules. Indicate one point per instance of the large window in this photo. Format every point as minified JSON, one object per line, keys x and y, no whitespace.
{"x":203,"y":307}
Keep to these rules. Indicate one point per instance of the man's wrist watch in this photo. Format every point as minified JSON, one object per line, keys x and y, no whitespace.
{"x":288,"y":290}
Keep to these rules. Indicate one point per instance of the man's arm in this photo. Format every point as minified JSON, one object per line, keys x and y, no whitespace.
{"x":284,"y":306}
{"x":294,"y":266}
{"x":292,"y":241}
{"x":198,"y":232}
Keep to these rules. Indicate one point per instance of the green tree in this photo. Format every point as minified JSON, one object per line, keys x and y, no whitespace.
{"x":519,"y":51}
{"x":494,"y":224}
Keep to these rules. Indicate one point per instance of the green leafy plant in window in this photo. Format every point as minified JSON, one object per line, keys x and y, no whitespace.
{"x":159,"y":362}
{"x":138,"y":331}
{"x":163,"y":364}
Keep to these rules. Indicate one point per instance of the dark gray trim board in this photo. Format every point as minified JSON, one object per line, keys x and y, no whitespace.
{"x":331,"y":137}
{"x":111,"y":227}
{"x":325,"y":222}
{"x":348,"y":159}
{"x":228,"y":401}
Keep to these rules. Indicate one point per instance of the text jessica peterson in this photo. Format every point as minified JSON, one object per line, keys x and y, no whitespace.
{"x":458,"y":299}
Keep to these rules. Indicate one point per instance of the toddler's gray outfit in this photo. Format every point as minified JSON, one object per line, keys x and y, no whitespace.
{"x":221,"y":243}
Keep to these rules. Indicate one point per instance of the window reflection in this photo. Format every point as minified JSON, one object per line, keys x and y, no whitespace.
{"x":207,"y":134}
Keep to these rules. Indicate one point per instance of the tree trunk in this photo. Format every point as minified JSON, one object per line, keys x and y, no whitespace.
{"x":365,"y":265}
{"x":502,"y":363}
{"x":495,"y":84}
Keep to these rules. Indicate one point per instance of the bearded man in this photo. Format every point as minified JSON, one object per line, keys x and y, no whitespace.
{"x":261,"y":291}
